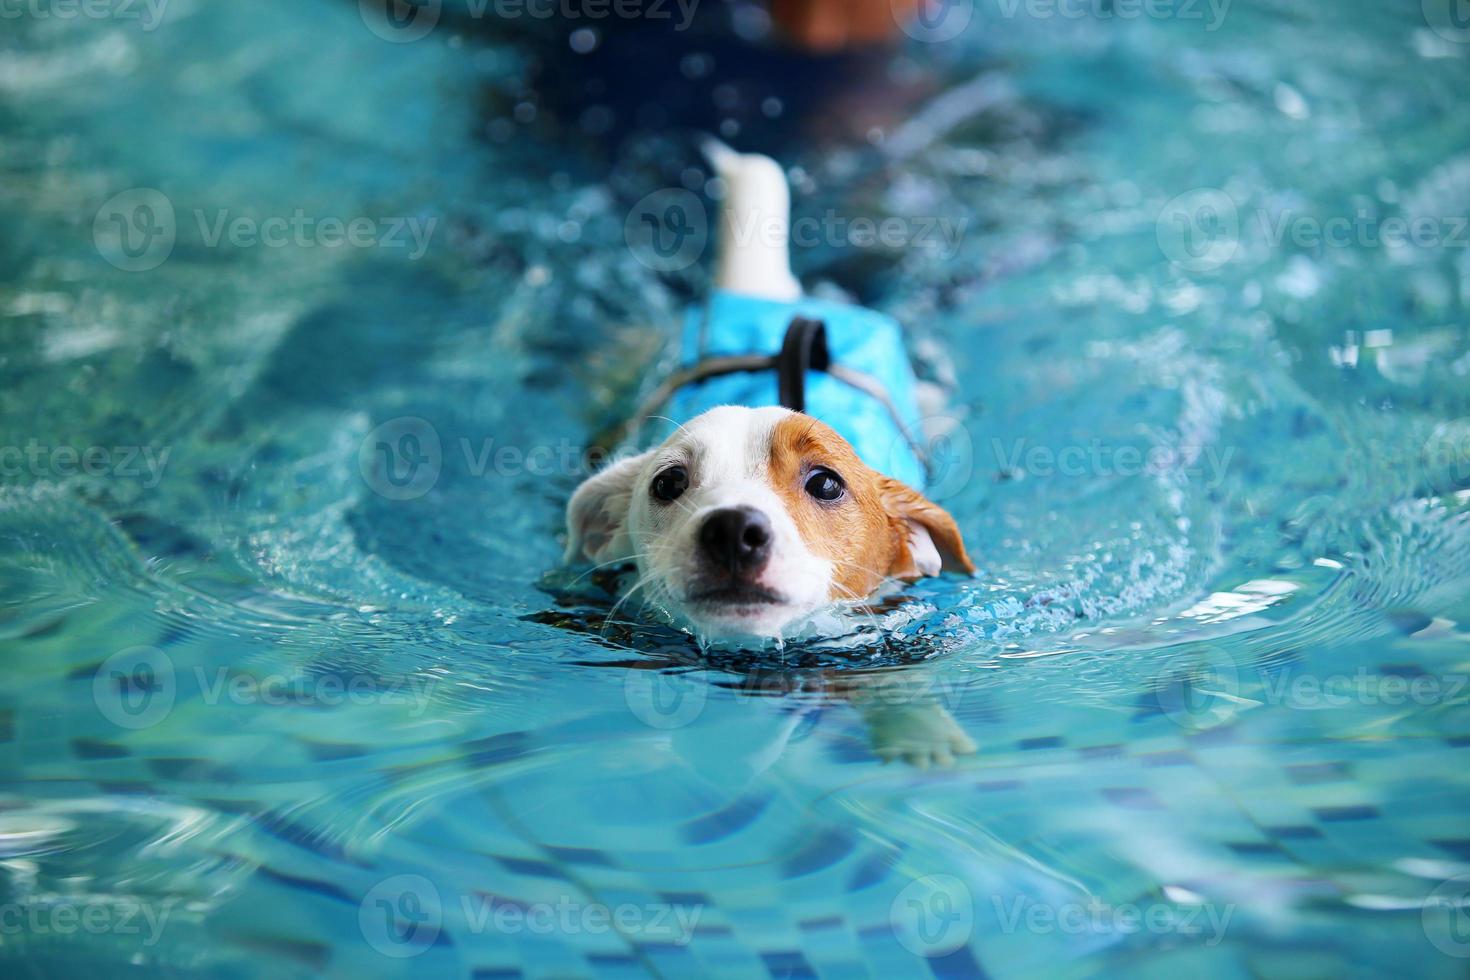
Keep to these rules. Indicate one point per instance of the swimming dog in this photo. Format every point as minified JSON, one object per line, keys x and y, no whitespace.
{"x":789,"y":483}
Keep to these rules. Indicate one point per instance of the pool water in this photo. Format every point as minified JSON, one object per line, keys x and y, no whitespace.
{"x":295,"y":687}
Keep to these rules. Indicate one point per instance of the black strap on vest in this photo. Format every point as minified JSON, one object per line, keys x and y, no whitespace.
{"x":803,"y":350}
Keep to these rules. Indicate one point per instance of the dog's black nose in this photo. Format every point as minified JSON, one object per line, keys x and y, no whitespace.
{"x":736,"y":538}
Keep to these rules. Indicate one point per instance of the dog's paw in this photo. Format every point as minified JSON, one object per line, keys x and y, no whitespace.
{"x":922,"y":735}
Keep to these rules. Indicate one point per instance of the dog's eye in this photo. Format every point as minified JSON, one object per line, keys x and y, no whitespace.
{"x":670,"y":484}
{"x":824,"y":485}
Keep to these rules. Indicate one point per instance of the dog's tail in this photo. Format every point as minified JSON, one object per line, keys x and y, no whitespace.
{"x":754,"y":256}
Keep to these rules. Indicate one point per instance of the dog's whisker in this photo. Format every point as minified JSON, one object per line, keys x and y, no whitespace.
{"x":611,"y":616}
{"x":861,"y":611}
{"x":615,"y":561}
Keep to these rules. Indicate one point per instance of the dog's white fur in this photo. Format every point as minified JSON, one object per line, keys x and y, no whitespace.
{"x":725,"y":451}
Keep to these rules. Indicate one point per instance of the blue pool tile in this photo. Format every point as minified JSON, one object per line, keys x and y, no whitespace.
{"x":822,"y":851}
{"x":1042,"y":742}
{"x":314,"y":885}
{"x":723,"y":823}
{"x":579,"y":855}
{"x":531,"y":868}
{"x":788,"y":965}
{"x":1338,"y":814}
{"x":960,"y":964}
{"x":1293,"y":832}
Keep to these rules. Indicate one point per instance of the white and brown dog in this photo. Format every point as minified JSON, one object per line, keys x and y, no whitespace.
{"x":750,"y":518}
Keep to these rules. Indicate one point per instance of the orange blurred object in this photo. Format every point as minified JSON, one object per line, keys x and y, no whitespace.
{"x":832,"y":25}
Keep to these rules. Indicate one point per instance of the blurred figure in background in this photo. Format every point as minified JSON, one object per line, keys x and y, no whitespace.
{"x":834,"y":25}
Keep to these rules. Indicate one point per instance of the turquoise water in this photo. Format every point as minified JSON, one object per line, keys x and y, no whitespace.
{"x":295,"y":688}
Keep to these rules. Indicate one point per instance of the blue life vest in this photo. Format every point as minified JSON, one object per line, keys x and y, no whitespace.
{"x":859,"y":342}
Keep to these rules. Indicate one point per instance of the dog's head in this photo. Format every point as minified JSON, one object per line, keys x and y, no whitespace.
{"x":747,"y":520}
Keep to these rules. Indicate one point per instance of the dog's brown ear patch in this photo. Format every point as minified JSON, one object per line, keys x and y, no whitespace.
{"x":931,"y":541}
{"x":884,"y":529}
{"x":855,"y":536}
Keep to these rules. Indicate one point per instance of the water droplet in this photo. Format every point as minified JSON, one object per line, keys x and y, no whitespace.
{"x":583,"y":40}
{"x":696,"y":65}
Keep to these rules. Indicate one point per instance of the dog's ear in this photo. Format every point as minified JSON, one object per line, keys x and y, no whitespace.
{"x":930,"y":538}
{"x":597,"y":514}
